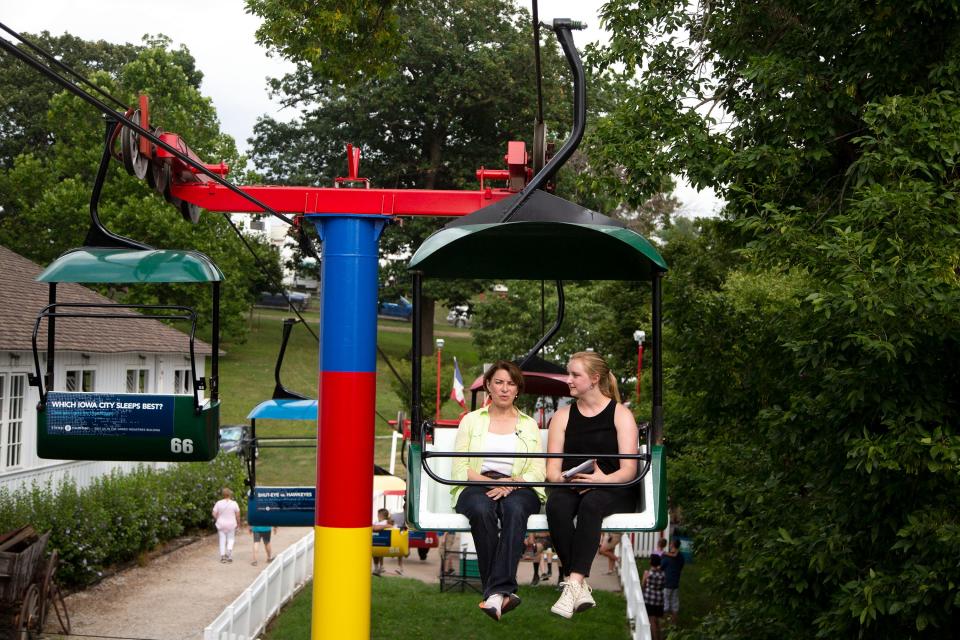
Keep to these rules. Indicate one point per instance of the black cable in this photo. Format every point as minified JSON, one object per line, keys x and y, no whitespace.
{"x":50,"y":57}
{"x":263,"y":269}
{"x":13,"y":50}
{"x":536,"y":58}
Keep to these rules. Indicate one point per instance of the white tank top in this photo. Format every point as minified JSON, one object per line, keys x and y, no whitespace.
{"x":499,"y":442}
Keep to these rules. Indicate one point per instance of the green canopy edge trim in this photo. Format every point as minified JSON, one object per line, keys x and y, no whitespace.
{"x":94,"y":265}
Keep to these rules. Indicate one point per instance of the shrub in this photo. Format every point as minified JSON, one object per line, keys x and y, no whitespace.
{"x":120,"y":516}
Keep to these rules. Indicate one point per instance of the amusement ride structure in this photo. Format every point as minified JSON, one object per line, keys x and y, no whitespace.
{"x":488,"y":238}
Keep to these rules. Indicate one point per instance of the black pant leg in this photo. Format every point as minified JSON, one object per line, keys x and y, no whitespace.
{"x":481,"y":511}
{"x":514,"y":510}
{"x":562,"y":505}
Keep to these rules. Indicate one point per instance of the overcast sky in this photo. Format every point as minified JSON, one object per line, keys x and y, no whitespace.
{"x":220,"y":35}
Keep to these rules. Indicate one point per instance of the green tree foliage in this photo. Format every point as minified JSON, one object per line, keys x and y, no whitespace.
{"x":26,"y":93}
{"x":598,"y":315}
{"x":459,"y":86}
{"x":45,"y":191}
{"x":338,"y":39}
{"x":812,"y":332}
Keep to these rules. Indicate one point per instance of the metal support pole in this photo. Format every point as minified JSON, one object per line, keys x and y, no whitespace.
{"x":657,"y":421}
{"x":51,"y":339}
{"x":346,"y":397}
{"x":215,"y":340}
{"x":416,"y":350}
{"x":439,"y":362}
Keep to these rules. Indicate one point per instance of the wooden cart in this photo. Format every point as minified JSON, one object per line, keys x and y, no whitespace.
{"x":28,"y":590}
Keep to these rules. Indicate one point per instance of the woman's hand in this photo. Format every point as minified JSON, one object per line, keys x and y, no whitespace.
{"x":596,"y":476}
{"x":495,"y":493}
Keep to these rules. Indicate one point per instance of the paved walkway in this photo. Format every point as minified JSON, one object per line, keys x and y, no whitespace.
{"x":173,"y":597}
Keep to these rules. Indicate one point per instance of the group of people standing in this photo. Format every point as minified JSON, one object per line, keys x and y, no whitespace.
{"x":594,"y":424}
{"x":661,"y":586}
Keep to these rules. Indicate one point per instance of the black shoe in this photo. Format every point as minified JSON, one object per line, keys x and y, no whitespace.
{"x":510,"y":602}
{"x":536,"y":580}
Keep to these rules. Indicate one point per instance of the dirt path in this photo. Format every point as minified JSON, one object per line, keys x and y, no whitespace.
{"x":174,"y":596}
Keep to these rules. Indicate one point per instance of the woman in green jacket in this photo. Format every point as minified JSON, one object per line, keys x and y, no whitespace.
{"x":498,"y":514}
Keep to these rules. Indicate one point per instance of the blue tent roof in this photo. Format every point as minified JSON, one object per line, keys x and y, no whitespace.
{"x":285,"y":410}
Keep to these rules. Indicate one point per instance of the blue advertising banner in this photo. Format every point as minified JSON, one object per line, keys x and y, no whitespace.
{"x":285,"y":498}
{"x":109,"y":414}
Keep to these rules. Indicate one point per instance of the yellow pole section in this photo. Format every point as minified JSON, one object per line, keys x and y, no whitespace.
{"x":341,"y":583}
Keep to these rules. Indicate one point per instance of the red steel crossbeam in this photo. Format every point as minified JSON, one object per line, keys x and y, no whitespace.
{"x":300,"y":200}
{"x":189,"y":185}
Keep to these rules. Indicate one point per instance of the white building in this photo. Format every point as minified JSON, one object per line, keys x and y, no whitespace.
{"x":274,"y":231}
{"x":104,"y":355}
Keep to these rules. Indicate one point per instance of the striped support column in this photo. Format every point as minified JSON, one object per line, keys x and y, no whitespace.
{"x":345,"y":420}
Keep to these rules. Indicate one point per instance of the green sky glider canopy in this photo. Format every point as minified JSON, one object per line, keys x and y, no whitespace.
{"x":547,"y":238}
{"x":125,"y":265}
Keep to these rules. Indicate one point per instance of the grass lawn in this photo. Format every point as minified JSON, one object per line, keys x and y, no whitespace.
{"x":407,"y":608}
{"x":247,"y":378}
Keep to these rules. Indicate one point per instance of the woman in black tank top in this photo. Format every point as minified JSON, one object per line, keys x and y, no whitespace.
{"x":596,"y":423}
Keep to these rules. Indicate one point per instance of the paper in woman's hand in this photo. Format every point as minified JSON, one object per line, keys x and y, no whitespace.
{"x":586,"y":467}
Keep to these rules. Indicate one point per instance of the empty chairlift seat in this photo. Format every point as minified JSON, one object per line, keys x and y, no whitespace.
{"x":77,"y":425}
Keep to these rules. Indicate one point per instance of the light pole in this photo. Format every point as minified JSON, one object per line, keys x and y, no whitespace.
{"x":639,"y":336}
{"x":439,"y":352}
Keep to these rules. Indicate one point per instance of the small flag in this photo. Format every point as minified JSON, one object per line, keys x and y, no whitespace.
{"x":457,"y":392}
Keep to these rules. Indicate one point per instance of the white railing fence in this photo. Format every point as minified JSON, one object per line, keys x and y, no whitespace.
{"x":632,"y":592}
{"x":249,"y":614}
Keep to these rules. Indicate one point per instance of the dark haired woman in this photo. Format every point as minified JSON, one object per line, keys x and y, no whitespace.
{"x":498,"y":514}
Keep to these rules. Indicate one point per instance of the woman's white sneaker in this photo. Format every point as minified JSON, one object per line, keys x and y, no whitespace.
{"x":585,"y":599}
{"x":566,"y":604}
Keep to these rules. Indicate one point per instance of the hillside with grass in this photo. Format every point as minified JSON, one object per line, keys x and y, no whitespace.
{"x":247,"y":378}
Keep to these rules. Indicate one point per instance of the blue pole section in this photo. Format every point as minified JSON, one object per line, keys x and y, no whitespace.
{"x":346,"y":397}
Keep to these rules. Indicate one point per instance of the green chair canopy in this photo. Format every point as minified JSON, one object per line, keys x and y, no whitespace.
{"x":547,"y":238}
{"x":135,"y":266}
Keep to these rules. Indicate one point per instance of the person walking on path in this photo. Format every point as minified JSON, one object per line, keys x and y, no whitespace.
{"x":226,"y":514}
{"x":672,"y":566}
{"x":652,"y":585}
{"x":608,"y":549}
{"x":262,"y":534}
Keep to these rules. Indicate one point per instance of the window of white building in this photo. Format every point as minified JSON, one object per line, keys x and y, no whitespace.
{"x":81,"y":380}
{"x":12,"y":389}
{"x":181,"y":381}
{"x":138,"y":381}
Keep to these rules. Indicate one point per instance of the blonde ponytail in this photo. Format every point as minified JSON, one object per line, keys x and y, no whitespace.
{"x":597,"y":366}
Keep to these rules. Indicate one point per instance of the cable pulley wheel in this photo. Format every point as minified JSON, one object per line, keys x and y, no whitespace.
{"x":190,"y":212}
{"x":169,"y":197}
{"x":135,"y":163}
{"x":539,"y":147}
{"x":159,"y":177}
{"x":152,"y":173}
